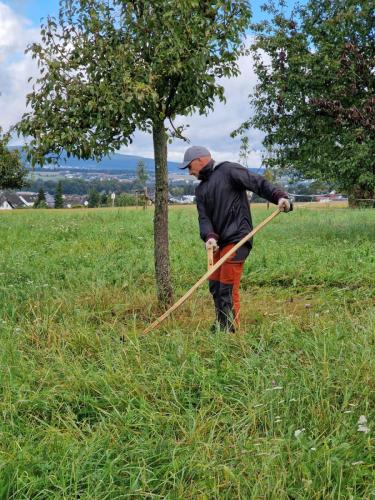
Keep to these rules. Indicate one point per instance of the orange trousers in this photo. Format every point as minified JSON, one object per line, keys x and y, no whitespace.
{"x":224,"y":285}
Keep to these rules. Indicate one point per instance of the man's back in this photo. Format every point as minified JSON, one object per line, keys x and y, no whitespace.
{"x":222,"y":200}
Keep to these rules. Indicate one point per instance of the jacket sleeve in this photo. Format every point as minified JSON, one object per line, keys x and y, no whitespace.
{"x":205,"y":225}
{"x":242,"y":178}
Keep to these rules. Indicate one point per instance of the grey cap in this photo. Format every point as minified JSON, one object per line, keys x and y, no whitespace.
{"x":193,"y":153}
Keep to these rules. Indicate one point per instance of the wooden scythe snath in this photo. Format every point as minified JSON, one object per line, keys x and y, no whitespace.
{"x":210,"y":271}
{"x":210,"y":257}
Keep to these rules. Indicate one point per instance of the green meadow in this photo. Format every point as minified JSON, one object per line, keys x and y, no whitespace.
{"x":92,"y":409}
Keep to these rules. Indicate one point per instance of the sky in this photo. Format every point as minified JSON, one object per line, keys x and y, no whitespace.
{"x":20,"y":25}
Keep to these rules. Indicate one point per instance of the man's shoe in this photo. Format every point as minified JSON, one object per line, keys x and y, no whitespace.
{"x":217,"y":327}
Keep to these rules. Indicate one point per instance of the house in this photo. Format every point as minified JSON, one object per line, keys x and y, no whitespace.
{"x":50,"y":200}
{"x":27,"y":197}
{"x":4,"y":204}
{"x":185,"y":199}
{"x":74,"y":200}
{"x":10,"y":200}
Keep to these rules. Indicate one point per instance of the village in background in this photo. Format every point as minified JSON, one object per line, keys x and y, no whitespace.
{"x":124,"y":180}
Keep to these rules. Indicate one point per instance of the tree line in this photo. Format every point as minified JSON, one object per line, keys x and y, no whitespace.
{"x":94,"y":199}
{"x":81,"y":186}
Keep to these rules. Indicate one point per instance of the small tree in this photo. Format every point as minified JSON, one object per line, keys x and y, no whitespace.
{"x":112,"y":67}
{"x":104,"y":199}
{"x":59,"y":202}
{"x":12,"y":171}
{"x":93,"y":198}
{"x":245,"y":151}
{"x":41,"y":201}
{"x":125,"y":200}
{"x":141,"y":179}
{"x":141,"y":174}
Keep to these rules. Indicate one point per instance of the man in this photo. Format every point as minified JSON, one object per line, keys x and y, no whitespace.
{"x":224,"y":219}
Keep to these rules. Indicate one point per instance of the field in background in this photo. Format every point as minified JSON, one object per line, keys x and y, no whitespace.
{"x":325,"y":205}
{"x":90,"y":408}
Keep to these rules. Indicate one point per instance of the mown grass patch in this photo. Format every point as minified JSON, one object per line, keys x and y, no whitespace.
{"x":90,"y":408}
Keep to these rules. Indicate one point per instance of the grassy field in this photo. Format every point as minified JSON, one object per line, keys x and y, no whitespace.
{"x":270,"y":412}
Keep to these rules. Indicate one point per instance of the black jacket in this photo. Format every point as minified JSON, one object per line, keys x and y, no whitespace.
{"x":223,"y":206}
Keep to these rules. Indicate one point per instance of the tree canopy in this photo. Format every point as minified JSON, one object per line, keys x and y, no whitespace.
{"x":109,"y":68}
{"x":12,"y":171}
{"x":93,"y":198}
{"x":315,"y":98}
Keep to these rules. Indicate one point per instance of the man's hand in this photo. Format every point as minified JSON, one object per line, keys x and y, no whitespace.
{"x":284,"y":205}
{"x":212,"y":243}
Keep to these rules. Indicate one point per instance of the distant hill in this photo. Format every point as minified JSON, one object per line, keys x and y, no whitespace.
{"x":116,"y":163}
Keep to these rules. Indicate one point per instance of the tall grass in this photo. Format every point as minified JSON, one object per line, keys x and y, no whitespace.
{"x":90,"y":408}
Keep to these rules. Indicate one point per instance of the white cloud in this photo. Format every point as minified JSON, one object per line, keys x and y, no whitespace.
{"x":212,"y":131}
{"x":12,"y":32}
{"x":16,"y":33}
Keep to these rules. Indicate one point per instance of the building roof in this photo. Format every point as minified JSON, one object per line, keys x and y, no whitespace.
{"x":29,"y":198}
{"x":2,"y":198}
{"x":12,"y":198}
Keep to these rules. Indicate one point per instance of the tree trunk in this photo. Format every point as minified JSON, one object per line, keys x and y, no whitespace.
{"x":161,"y":245}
